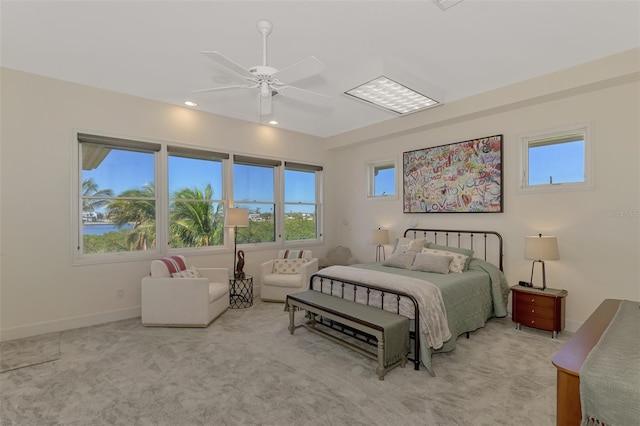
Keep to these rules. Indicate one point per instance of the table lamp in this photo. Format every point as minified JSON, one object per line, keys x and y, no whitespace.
{"x":539,"y":249}
{"x":380,"y":237}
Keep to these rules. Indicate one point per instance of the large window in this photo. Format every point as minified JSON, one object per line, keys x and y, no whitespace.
{"x":254,"y":185}
{"x":140,"y":200}
{"x":557,"y":160}
{"x":118,"y":196}
{"x":301,"y":201}
{"x":196,"y":198}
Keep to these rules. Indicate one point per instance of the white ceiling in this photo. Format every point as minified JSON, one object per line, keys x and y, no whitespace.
{"x":151,"y":48}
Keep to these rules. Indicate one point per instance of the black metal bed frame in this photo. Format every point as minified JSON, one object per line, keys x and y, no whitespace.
{"x":322,"y":280}
{"x":457,"y":236}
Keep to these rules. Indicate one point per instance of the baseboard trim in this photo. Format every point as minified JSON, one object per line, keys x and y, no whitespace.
{"x":37,"y":329}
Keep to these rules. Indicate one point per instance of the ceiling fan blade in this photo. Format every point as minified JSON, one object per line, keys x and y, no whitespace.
{"x":228,"y":63}
{"x":264,"y":104}
{"x":303,"y":95}
{"x":216,"y":89}
{"x":302,"y":69}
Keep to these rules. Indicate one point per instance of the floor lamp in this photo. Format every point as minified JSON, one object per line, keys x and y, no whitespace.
{"x":380,"y":237}
{"x":236,"y":218}
{"x":539,"y":249}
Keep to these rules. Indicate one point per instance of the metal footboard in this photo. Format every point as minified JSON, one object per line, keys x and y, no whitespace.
{"x":370,"y":295}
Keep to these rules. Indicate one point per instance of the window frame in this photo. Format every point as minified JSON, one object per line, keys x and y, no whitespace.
{"x":370,"y":175}
{"x":78,"y":255}
{"x":276,"y":165}
{"x":318,"y":178}
{"x":178,"y":150}
{"x":537,"y":138}
{"x":162,"y":200}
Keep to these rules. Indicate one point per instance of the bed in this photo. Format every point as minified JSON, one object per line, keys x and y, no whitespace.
{"x":467,"y":299}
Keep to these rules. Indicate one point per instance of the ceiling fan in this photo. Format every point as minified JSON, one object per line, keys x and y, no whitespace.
{"x":270,"y":81}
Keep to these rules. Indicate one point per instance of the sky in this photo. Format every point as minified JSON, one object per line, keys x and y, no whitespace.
{"x":122,"y":170}
{"x":551,"y":160}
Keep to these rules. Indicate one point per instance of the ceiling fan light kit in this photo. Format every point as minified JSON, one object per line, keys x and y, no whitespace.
{"x":268,"y":80}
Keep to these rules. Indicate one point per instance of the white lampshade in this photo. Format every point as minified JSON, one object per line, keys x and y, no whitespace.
{"x":541,"y":248}
{"x":237,"y":217}
{"x":380,"y":236}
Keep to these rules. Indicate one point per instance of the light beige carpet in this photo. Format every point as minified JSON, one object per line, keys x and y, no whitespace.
{"x":245,"y":369}
{"x":27,"y":352}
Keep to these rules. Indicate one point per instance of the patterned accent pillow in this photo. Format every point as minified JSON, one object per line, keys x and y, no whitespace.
{"x":458,"y":262}
{"x":174,"y":263}
{"x":427,"y":262}
{"x":295,"y":254}
{"x":190,"y":272}
{"x":288,"y":266}
{"x":466,"y":252}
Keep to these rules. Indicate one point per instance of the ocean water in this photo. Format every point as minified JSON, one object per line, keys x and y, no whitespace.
{"x":102,"y":228}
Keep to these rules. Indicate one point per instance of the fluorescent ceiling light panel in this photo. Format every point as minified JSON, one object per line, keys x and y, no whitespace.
{"x":389,"y":94}
{"x":388,"y":86}
{"x":446,"y":4}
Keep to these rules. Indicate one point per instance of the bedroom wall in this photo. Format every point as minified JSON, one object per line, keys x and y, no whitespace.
{"x":598,"y":230}
{"x":40,"y":291}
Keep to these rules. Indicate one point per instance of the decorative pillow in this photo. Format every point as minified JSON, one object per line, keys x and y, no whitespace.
{"x":458,"y":262}
{"x":404,"y":245}
{"x":427,"y":262}
{"x":174,"y":263}
{"x":288,"y":266}
{"x":466,"y":252}
{"x":295,"y":254}
{"x":400,"y":260}
{"x":190,"y":272}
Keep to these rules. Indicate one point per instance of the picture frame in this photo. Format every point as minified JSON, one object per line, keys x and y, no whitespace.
{"x":462,"y":177}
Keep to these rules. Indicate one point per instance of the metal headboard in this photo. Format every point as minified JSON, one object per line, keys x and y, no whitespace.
{"x":489,"y":245}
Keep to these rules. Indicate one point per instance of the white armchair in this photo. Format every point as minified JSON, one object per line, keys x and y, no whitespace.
{"x":194,"y":298}
{"x":288,"y":273}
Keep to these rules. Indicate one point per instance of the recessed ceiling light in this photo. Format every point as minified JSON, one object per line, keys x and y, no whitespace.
{"x":273,"y":122}
{"x":190,"y":103}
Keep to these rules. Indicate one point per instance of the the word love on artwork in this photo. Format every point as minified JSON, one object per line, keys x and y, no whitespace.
{"x":463,"y":177}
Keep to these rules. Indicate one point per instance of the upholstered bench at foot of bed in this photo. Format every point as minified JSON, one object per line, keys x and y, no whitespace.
{"x":390,"y":330}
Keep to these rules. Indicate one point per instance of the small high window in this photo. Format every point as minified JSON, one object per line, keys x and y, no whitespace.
{"x":557,"y":160}
{"x":381,"y":180}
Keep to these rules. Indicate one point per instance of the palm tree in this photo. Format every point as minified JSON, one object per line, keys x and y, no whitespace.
{"x":90,"y":190}
{"x":136,"y":207}
{"x":194,"y":221}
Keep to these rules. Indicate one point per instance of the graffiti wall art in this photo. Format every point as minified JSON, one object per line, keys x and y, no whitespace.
{"x":463,"y":177}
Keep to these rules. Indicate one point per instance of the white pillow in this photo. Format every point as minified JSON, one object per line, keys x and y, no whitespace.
{"x":400,"y":260}
{"x":458,"y":262}
{"x":190,"y":272}
{"x":428,"y":262}
{"x":288,"y":266}
{"x":404,"y":245}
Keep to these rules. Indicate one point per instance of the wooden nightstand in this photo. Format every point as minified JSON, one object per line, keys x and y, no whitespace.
{"x":539,"y":309}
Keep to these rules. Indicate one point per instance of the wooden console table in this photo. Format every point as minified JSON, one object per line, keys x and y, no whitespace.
{"x":569,"y":359}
